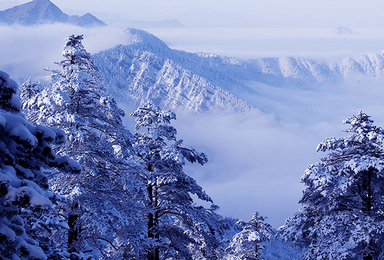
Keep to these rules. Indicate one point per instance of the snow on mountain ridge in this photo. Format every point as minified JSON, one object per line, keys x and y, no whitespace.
{"x":136,"y":75}
{"x":222,"y":59}
{"x":146,"y":68}
{"x":274,"y":71}
{"x":371,"y":65}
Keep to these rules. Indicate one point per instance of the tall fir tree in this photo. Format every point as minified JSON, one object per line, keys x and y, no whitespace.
{"x":101,"y":207}
{"x":342,"y":212}
{"x":248,"y":243}
{"x":25,"y":150}
{"x":177,"y":227}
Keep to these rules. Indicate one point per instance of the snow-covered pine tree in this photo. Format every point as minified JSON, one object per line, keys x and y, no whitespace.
{"x":101,"y":212}
{"x":247,"y":244}
{"x":177,"y":227}
{"x":25,"y":150}
{"x":342,"y":212}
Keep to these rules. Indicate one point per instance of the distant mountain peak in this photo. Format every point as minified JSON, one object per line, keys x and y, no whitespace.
{"x":44,"y":12}
{"x":343,"y":31}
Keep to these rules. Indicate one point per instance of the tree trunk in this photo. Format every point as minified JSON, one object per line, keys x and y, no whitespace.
{"x":367,"y":200}
{"x":156,"y":223}
{"x":367,"y":189}
{"x":73,"y":233}
{"x":151,"y":255}
{"x":152,"y":223}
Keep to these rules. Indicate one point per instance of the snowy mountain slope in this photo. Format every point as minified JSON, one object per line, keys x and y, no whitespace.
{"x":371,"y":65}
{"x":146,"y":68}
{"x":303,"y":73}
{"x":44,"y":12}
{"x":291,"y":72}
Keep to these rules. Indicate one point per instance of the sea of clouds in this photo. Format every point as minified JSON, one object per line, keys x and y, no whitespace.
{"x":326,"y":44}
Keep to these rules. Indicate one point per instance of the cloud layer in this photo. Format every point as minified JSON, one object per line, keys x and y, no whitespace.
{"x":25,"y":51}
{"x":256,"y":161}
{"x":250,"y":43}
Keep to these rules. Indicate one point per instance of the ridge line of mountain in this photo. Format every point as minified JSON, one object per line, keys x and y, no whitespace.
{"x":45,"y":12}
{"x":146,"y":68}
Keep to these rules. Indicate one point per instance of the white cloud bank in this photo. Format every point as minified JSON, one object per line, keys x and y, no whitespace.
{"x":250,"y":43}
{"x":25,"y":51}
{"x":256,"y":162}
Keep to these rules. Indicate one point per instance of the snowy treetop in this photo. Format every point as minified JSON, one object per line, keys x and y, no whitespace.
{"x":8,"y":100}
{"x":364,"y":134}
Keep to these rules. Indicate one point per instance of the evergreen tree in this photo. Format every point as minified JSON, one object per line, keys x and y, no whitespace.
{"x":247,"y":244}
{"x":177,"y":227}
{"x":25,"y":152}
{"x":29,"y":90}
{"x":342,"y":213}
{"x":101,"y":206}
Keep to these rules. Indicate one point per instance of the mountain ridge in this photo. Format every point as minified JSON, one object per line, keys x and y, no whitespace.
{"x":39,"y":12}
{"x":146,"y":68}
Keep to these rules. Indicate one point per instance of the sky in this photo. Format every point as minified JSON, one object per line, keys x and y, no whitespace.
{"x":240,"y":13}
{"x":255,"y":161}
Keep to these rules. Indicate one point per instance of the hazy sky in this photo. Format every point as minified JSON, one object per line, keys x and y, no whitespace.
{"x":218,"y":13}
